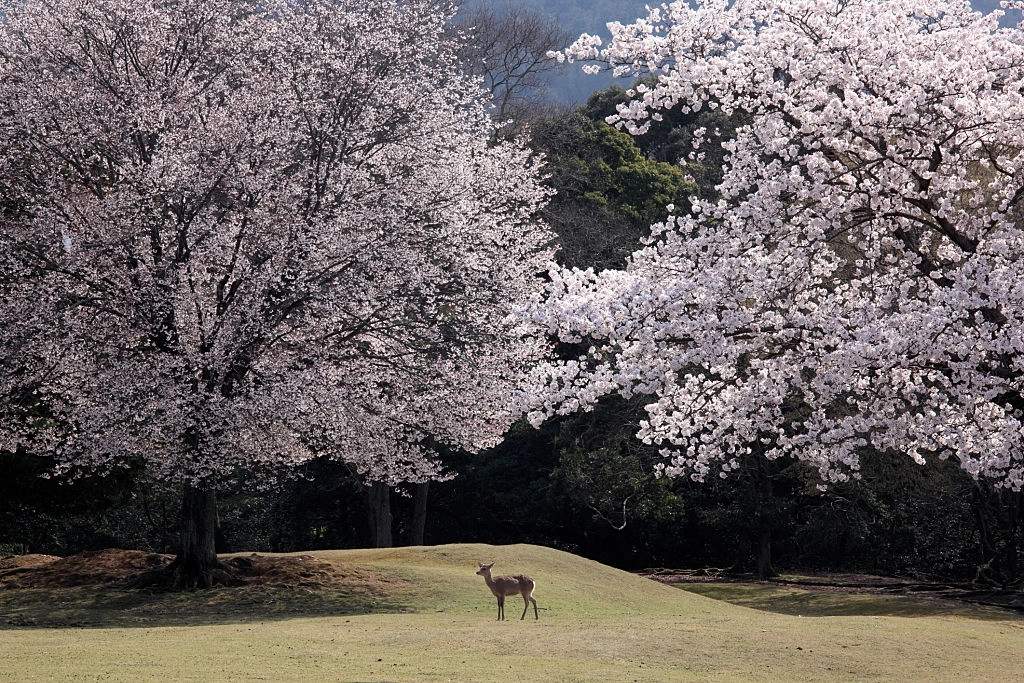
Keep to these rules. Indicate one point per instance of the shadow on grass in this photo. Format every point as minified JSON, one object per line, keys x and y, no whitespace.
{"x":96,"y":590}
{"x":111,"y":607}
{"x":823,"y":603}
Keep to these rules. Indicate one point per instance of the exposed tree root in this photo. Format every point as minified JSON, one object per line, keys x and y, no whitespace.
{"x":181,"y":575}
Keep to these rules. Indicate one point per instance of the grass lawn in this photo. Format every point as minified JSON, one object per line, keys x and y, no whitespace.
{"x":421,"y":614}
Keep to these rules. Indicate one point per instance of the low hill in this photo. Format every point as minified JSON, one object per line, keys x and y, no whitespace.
{"x":422,"y":614}
{"x":332,"y":582}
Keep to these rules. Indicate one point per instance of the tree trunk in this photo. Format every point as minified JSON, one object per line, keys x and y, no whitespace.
{"x":989,"y":513}
{"x":765,"y":570}
{"x":419,"y":514}
{"x":196,"y":565}
{"x":379,"y":495}
{"x":1013,"y":530}
{"x":765,"y":508}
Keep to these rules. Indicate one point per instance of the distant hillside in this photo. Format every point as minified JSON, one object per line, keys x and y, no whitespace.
{"x":590,"y":16}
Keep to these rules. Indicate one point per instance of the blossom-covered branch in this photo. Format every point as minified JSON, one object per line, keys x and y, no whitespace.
{"x":239,"y":234}
{"x":858,"y":284}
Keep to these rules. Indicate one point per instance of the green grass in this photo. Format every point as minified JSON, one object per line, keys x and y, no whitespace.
{"x":423,"y":615}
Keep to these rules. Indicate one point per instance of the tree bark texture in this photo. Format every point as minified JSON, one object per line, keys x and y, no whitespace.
{"x":765,"y":508}
{"x":998,"y":518}
{"x":419,"y":513}
{"x":379,"y":497}
{"x":196,"y":565}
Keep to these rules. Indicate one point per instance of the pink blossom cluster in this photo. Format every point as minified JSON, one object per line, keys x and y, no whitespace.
{"x":237,"y":234}
{"x":858,"y":284}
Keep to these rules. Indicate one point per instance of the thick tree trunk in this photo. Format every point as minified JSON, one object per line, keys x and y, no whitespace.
{"x":985,"y":545}
{"x":998,"y":516}
{"x":419,"y":514}
{"x":987,"y":512}
{"x":1013,"y":545}
{"x":379,"y":497}
{"x":196,"y":565}
{"x":765,"y":505}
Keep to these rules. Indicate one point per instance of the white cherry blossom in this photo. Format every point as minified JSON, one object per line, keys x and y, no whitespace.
{"x":245,"y":233}
{"x":858,"y":283}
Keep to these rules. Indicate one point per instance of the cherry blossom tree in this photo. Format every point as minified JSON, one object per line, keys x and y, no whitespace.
{"x":858,"y":285}
{"x":241,"y":234}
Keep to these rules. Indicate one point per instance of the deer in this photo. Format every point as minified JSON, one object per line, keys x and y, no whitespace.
{"x":503,"y":586}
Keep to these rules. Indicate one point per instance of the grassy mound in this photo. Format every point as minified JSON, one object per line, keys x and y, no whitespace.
{"x":421,"y":614}
{"x":92,"y":590}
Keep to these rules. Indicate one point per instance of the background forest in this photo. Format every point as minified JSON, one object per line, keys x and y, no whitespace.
{"x":580,"y":483}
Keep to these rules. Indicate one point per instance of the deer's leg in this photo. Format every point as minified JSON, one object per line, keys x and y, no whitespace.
{"x":535,"y":616}
{"x":501,"y":607}
{"x":526,"y":605}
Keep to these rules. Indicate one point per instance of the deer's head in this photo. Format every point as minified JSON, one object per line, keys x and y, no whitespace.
{"x":484,"y":568}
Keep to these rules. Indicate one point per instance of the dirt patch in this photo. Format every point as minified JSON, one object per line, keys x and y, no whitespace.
{"x":94,"y":568}
{"x":308,"y":572}
{"x":96,"y":589}
{"x":16,"y":562}
{"x":117,"y":568}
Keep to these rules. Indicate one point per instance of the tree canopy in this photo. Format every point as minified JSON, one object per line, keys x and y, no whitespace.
{"x":857,"y":282}
{"x":240,"y":234}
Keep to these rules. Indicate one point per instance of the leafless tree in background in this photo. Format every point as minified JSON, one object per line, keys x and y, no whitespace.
{"x":509,"y":48}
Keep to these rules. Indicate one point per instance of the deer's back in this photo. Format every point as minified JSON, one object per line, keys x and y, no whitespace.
{"x":510,"y":585}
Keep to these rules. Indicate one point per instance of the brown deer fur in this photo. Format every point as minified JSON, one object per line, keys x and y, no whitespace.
{"x":503,"y":586}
